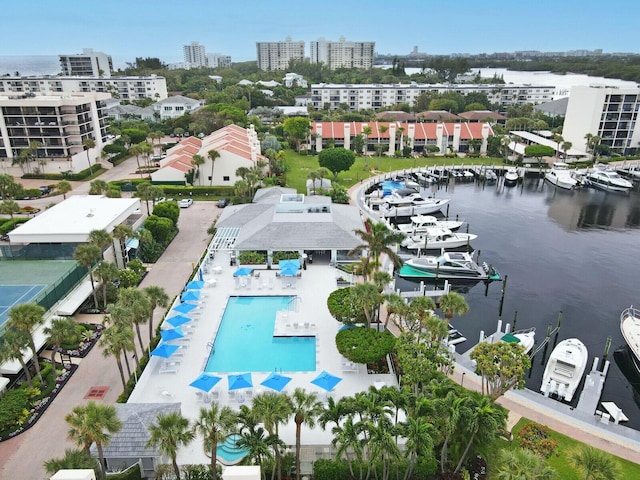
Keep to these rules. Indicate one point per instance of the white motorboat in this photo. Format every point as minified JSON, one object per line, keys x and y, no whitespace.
{"x":630,"y":328}
{"x":511,"y":176}
{"x":564,"y":370}
{"x":437,"y":239}
{"x":560,"y":176}
{"x":410,"y":205}
{"x":487,"y":174}
{"x":448,"y":266}
{"x":424,"y":223}
{"x":608,"y":179}
{"x":468,"y":175}
{"x":526,"y":338}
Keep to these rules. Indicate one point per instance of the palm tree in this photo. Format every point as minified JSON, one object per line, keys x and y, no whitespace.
{"x":214,"y":423}
{"x":556,"y":137}
{"x":63,"y":187}
{"x":72,"y":460}
{"x":313,"y":175}
{"x":137,"y":151}
{"x":306,"y":408}
{"x":121,"y":232}
{"x":333,"y":412}
{"x":93,"y":423}
{"x":116,"y":341}
{"x":566,"y":146}
{"x":257,"y":444}
{"x":106,"y":272}
{"x":346,"y":439}
{"x":88,"y":144}
{"x":146,"y":150}
{"x":419,"y":434}
{"x":100,"y":238}
{"x":594,"y":464}
{"x":139,"y":307}
{"x":26,"y":317}
{"x":146,"y":193}
{"x":60,"y":331}
{"x":13,"y":343}
{"x":196,"y":161}
{"x":157,"y":297}
{"x":98,"y":187}
{"x":377,"y":240}
{"x":383,"y":129}
{"x":383,"y":446}
{"x":451,"y":304}
{"x":122,"y":317}
{"x":366,"y":131}
{"x":523,"y":463}
{"x":272,"y":409}
{"x":170,"y":433}
{"x":9,"y":207}
{"x":366,"y":297}
{"x":86,"y":255}
{"x":213,"y":156}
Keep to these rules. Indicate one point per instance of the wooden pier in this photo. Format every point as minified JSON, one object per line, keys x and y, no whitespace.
{"x":436,"y":293}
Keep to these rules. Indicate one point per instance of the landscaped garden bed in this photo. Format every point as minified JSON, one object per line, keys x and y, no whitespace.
{"x":91,"y":332}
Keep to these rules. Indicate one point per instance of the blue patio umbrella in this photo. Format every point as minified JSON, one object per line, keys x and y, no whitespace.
{"x":184,"y":307}
{"x":171,"y":334}
{"x":243,"y":272}
{"x":205,"y":382}
{"x":288,"y":272}
{"x":347,"y":327}
{"x":291,"y":263}
{"x":237,"y":382}
{"x":178,"y":320}
{"x":200,"y":276}
{"x":191,"y":296}
{"x":194,"y":285}
{"x":276,"y":382}
{"x":164,"y":350}
{"x":326,"y":381}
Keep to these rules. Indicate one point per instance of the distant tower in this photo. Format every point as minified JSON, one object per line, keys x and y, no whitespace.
{"x":195,"y":55}
{"x":87,"y":63}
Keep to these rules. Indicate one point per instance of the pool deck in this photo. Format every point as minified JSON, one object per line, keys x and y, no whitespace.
{"x":168,"y":380}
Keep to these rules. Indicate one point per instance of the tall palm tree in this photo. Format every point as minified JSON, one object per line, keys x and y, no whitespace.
{"x":272,"y":409}
{"x":333,"y":412}
{"x":523,"y":463}
{"x":566,"y":146}
{"x":197,"y":161}
{"x":306,"y":408}
{"x":170,"y":433}
{"x":137,"y":150}
{"x":121,"y":317}
{"x":366,"y":297}
{"x":121,"y":232}
{"x":145,"y":192}
{"x":93,"y":423}
{"x":378,"y":239}
{"x":366,"y":131}
{"x":72,"y":460}
{"x":146,"y":150}
{"x":259,"y":445}
{"x":213,"y":156}
{"x":63,"y":187}
{"x":86,"y":255}
{"x":594,"y":464}
{"x":556,"y":137}
{"x":383,"y":446}
{"x":419,"y":434}
{"x":106,"y":272}
{"x":9,"y":207}
{"x":13,"y":343}
{"x":115,"y":341}
{"x":383,"y":129}
{"x":100,"y":238}
{"x":346,"y":439}
{"x":313,"y":175}
{"x":214,"y":423}
{"x":139,"y":308}
{"x":451,"y":304}
{"x":60,"y":331}
{"x":157,"y":298}
{"x":88,"y":143}
{"x":26,"y":317}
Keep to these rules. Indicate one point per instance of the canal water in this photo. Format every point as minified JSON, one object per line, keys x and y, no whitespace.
{"x":575,"y":252}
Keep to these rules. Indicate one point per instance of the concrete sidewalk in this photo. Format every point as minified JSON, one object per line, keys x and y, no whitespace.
{"x":23,"y":457}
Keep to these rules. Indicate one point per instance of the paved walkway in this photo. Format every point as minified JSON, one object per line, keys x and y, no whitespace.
{"x":23,"y":457}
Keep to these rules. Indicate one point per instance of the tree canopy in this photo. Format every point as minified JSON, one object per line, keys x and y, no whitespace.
{"x":336,"y":160}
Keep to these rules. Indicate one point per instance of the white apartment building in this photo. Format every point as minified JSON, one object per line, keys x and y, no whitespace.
{"x":290,"y":79}
{"x":175,"y":106}
{"x":124,"y":88}
{"x":87,"y":63}
{"x":60,"y":123}
{"x":277,"y":55}
{"x":343,"y":53}
{"x":375,"y":96}
{"x":195,"y":55}
{"x":610,"y":113}
{"x":218,"y":60}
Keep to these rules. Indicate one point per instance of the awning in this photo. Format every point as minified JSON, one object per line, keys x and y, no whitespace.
{"x":72,"y":302}
{"x":132,"y":243}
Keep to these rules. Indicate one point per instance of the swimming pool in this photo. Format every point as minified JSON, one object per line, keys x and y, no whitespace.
{"x":245,"y":341}
{"x":228,"y":452}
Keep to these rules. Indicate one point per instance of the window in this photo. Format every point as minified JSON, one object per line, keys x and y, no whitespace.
{"x":225,"y":178}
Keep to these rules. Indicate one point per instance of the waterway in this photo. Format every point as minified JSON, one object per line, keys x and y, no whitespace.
{"x":570,"y":252}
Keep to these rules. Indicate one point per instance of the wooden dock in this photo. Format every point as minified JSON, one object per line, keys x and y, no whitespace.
{"x":592,"y":390}
{"x":436,"y":293}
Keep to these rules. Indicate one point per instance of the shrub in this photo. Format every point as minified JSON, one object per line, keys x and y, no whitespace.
{"x":535,"y":438}
{"x":129,"y":278}
{"x":364,"y":345}
{"x":277,"y":256}
{"x":341,"y":308}
{"x":137,"y":266}
{"x":12,"y":409}
{"x":168,"y":210}
{"x":252,"y":258}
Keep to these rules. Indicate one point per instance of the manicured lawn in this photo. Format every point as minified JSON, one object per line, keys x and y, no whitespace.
{"x":299,"y":167}
{"x":559,"y":460}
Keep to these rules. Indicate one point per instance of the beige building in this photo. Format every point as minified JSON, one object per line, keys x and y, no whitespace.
{"x":277,"y":55}
{"x":343,"y":53}
{"x":87,"y":63}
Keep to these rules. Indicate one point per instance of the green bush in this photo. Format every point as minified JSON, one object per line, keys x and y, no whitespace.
{"x":324,"y":469}
{"x":364,"y":345}
{"x":132,"y":473}
{"x":137,"y":266}
{"x":341,"y":308}
{"x":129,"y":278}
{"x":252,"y":258}
{"x":13,"y":411}
{"x":536,"y":438}
{"x":7,"y":225}
{"x":168,"y":210}
{"x":277,"y":256}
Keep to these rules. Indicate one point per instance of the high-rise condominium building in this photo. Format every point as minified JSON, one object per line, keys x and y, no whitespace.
{"x":343,"y":53}
{"x":215,"y":60}
{"x":277,"y":55}
{"x":87,"y":63}
{"x":610,"y":113}
{"x":195,"y":55}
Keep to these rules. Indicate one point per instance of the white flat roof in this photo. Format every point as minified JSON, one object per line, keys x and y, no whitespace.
{"x":72,"y":219}
{"x":532,"y":137}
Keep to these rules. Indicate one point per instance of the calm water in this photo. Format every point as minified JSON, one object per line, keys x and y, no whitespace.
{"x":575,"y":252}
{"x":245,"y":341}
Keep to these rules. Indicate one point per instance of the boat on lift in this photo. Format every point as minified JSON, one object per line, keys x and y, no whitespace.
{"x":448,"y":266}
{"x":560,"y":176}
{"x":400,"y":204}
{"x":526,"y":338}
{"x":630,"y":328}
{"x":422,"y":223}
{"x":608,"y":180}
{"x":565,"y":369}
{"x":511,"y":176}
{"x":437,"y":239}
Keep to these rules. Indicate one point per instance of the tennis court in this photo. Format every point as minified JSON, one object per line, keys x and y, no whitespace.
{"x":24,"y":281}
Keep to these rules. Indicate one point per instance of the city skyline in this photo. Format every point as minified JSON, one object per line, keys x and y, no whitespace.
{"x":160,"y":28}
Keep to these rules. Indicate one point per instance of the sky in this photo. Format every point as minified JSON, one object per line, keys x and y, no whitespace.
{"x":127,"y":29}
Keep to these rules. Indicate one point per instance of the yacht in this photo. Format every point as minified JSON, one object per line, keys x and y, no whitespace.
{"x":608,"y":180}
{"x":448,"y":266}
{"x":410,"y":204}
{"x":526,"y":338}
{"x":436,"y":239}
{"x":560,"y":176}
{"x":423,"y":223}
{"x":630,"y":327}
{"x":564,"y":369}
{"x":511,"y":176}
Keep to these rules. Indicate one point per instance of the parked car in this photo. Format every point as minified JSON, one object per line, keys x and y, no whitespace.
{"x":223,"y":202}
{"x":160,"y":200}
{"x":45,"y":189}
{"x":185,"y":203}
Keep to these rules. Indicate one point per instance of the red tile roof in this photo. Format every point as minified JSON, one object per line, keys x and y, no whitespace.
{"x":331,"y":130}
{"x":478,"y":115}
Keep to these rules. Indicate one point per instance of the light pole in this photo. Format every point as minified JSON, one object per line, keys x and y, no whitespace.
{"x":462,"y":381}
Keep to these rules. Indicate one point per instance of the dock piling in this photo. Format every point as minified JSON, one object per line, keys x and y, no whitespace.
{"x":555,"y":339}
{"x":607,"y":346}
{"x":504,"y":289}
{"x":546,"y":344}
{"x":515,"y":319}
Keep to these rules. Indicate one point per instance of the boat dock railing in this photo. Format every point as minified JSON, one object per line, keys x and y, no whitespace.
{"x":423,"y":292}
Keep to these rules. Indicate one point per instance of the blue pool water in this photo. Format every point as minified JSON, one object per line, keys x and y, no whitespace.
{"x":245,"y":341}
{"x":228,"y":452}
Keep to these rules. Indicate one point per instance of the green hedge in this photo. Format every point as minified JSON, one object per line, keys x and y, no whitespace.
{"x":364,"y":345}
{"x":341,"y":307}
{"x":7,"y":225}
{"x":82,"y":175}
{"x":178,"y":190}
{"x":132,"y":473}
{"x":324,"y":469}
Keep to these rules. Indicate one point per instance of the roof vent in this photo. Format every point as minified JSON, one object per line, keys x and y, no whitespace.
{"x":90,"y":214}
